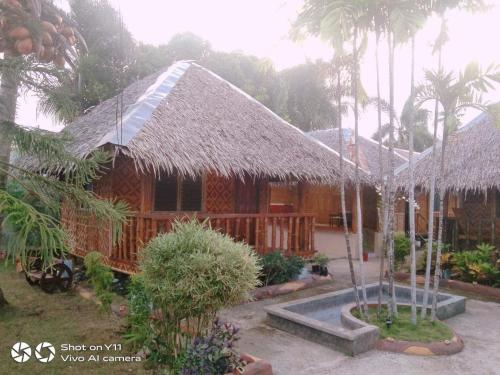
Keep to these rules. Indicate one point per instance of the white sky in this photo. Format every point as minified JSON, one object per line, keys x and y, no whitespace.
{"x":260,"y":27}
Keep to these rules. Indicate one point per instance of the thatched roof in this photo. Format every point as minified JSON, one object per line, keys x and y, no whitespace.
{"x":472,"y":160}
{"x":190,"y":120}
{"x":368,"y":150}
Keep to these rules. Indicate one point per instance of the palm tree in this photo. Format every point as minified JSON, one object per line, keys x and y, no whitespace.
{"x":40,"y":42}
{"x":440,"y":8}
{"x":339,"y":22}
{"x":438,"y":48}
{"x":455,"y":94}
{"x":340,"y":67}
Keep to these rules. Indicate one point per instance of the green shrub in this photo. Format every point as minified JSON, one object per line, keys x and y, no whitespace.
{"x":402,"y":246}
{"x":100,"y":277}
{"x":321,"y":259}
{"x":477,"y":266}
{"x":139,"y":334}
{"x":277,"y":269}
{"x":422,"y":259}
{"x":190,"y":274}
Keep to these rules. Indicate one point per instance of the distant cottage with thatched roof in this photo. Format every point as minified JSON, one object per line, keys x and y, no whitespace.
{"x":471,"y":181}
{"x":187,"y":142}
{"x":324,"y":199}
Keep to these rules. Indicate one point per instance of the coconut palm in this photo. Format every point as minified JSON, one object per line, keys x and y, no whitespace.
{"x":455,"y":94}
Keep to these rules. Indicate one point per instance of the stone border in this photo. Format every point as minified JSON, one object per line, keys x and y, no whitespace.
{"x":351,"y":342}
{"x":255,"y":366}
{"x":353,"y":336}
{"x":448,"y":347}
{"x":271,"y":291}
{"x":462,"y":286}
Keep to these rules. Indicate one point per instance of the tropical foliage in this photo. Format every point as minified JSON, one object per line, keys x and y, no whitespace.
{"x":190,"y":274}
{"x":277,"y":269}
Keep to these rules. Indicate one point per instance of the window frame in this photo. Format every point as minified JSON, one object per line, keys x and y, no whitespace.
{"x":178,"y":198}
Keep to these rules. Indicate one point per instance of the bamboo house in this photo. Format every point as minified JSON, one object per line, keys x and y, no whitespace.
{"x":471,"y":183}
{"x":187,"y":143}
{"x":324,"y":199}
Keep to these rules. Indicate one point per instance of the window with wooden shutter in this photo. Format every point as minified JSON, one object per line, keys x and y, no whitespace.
{"x":166,"y":193}
{"x":190,"y":192}
{"x":173,"y":193}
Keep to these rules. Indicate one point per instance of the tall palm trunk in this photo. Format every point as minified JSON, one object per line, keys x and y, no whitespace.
{"x":411,"y":195}
{"x":342,"y":195}
{"x":8,"y":100}
{"x":390,"y":179}
{"x":383,"y":207}
{"x":359,"y":218}
{"x":437,"y":271}
{"x":430,"y":221}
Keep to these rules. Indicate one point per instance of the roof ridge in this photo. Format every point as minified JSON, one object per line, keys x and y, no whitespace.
{"x":138,"y":113}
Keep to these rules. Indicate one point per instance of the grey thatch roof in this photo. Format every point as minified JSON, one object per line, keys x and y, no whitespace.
{"x":190,"y":120}
{"x":472,"y":160}
{"x":369,"y":157}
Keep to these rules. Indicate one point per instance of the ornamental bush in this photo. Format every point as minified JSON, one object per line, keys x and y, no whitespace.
{"x":277,"y":269}
{"x":190,"y":274}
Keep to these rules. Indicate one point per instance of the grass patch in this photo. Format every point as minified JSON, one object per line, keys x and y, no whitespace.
{"x":402,"y":329}
{"x":34,"y":316}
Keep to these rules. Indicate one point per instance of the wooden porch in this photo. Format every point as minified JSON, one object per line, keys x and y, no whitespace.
{"x":291,"y":233}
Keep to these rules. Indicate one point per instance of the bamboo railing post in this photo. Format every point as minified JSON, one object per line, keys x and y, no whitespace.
{"x":237,"y":234}
{"x":289,"y":239}
{"x":281,"y":234}
{"x":257,"y":248}
{"x":313,"y":230}
{"x":264,"y":241}
{"x":296,"y":233}
{"x":273,"y":235}
{"x":247,"y":230}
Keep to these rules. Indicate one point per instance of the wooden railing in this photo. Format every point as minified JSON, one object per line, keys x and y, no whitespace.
{"x":291,"y":233}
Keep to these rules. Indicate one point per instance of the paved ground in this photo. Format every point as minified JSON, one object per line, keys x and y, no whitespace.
{"x":479,"y":327}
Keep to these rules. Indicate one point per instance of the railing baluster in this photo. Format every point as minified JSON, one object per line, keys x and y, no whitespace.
{"x":257,"y":248}
{"x":296,"y":233}
{"x":247,"y":230}
{"x":281,"y":234}
{"x":273,"y":235}
{"x":289,"y":239}
{"x":237,"y":234}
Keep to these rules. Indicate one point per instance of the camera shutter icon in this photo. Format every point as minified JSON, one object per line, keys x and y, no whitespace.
{"x":45,"y":352}
{"x":20,"y":352}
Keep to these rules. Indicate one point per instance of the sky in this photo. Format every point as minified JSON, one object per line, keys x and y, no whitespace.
{"x":260,"y":27}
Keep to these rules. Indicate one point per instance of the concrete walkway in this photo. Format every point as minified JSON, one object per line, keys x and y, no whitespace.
{"x":479,"y":327}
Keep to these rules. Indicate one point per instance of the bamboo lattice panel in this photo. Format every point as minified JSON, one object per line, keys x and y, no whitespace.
{"x":219,"y":194}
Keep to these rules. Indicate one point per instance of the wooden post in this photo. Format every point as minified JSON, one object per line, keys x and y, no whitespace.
{"x":264,"y":244}
{"x":313,"y":230}
{"x":273,"y":235}
{"x":257,"y":234}
{"x":296,"y":233}
{"x":247,"y":230}
{"x":289,"y":239}
{"x":282,"y":233}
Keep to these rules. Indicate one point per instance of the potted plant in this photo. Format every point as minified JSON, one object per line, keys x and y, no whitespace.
{"x":320,"y":262}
